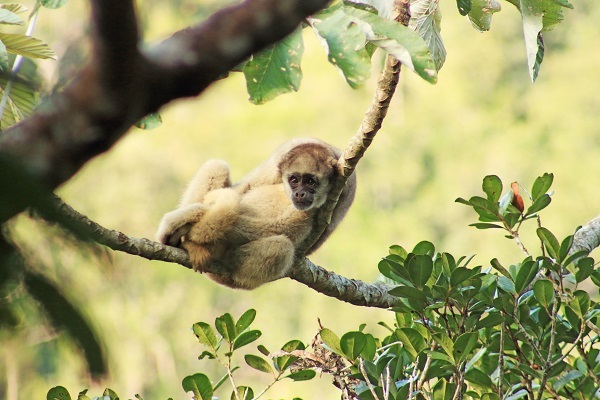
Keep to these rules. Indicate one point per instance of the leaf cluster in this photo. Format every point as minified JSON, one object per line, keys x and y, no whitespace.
{"x":349,"y":32}
{"x":19,"y":90}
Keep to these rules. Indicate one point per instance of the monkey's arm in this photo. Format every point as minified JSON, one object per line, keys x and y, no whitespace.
{"x":176,"y":224}
{"x":213,"y":174}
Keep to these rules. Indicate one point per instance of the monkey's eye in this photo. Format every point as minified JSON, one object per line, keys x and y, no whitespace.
{"x":311,"y":182}
{"x":293,"y":179}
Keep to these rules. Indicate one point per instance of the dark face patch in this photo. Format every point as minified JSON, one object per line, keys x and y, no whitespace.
{"x":306,"y":170}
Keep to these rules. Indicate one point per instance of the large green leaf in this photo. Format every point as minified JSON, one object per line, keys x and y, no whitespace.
{"x":481,"y":12}
{"x":275,"y":70}
{"x":396,"y":39}
{"x":426,"y":19}
{"x":345,"y":45}
{"x":26,"y":46}
{"x":539,"y":16}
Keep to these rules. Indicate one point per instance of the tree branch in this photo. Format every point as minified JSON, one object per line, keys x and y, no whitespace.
{"x":120,"y":85}
{"x":360,"y":142}
{"x":588,"y":237}
{"x":329,"y":283}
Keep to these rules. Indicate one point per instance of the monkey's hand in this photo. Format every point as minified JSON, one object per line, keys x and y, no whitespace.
{"x":176,"y":224}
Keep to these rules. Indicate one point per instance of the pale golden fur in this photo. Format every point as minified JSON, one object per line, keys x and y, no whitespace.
{"x":252,"y":228}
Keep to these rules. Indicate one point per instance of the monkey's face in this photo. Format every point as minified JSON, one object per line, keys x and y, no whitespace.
{"x":305,"y":190}
{"x":306,"y":171}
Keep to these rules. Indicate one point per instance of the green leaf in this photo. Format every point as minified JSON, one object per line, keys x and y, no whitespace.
{"x":532,"y":28}
{"x":498,"y":267}
{"x":426,"y":19}
{"x":565,"y":246}
{"x":563,"y":380}
{"x":408,"y":292}
{"x":26,"y":46}
{"x":538,"y":205}
{"x":245,"y":320}
{"x":149,"y":122}
{"x":485,"y":225}
{"x":9,"y":18}
{"x":420,"y":268}
{"x":110,"y":394}
{"x":486,"y":209}
{"x":58,"y":393}
{"x":541,"y":186}
{"x":226,"y":327}
{"x":549,"y":241}
{"x":4,"y":68}
{"x":352,"y":344}
{"x":258,"y":363}
{"x":492,"y":186}
{"x":24,"y":95}
{"x":493,"y":319}
{"x":399,"y":41}
{"x":443,"y":390}
{"x":331,"y":340}
{"x":246,"y":338}
{"x":464,"y":6}
{"x":283,"y":362}
{"x":399,"y":251}
{"x":345,"y":45}
{"x":463,"y":346}
{"x":461,"y":274}
{"x":199,"y":385}
{"x":543,"y":291}
{"x":580,"y":303}
{"x":304,"y":375}
{"x":585,"y":267}
{"x":14,"y":7}
{"x":263,"y":350}
{"x":481,"y":12}
{"x":242,"y":393}
{"x":53,"y":4}
{"x":413,"y":342}
{"x":275,"y":70}
{"x":424,"y":247}
{"x":205,"y":334}
{"x":525,"y":275}
{"x":478,"y":377}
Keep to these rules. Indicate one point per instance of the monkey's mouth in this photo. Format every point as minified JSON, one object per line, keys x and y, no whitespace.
{"x":302,"y":205}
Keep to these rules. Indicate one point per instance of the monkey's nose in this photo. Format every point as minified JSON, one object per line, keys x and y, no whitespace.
{"x":300,"y":195}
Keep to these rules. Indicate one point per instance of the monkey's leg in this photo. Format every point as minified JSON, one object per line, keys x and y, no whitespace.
{"x":176,"y":224}
{"x":214,"y":174}
{"x":262,"y":261}
{"x":223,"y":211}
{"x":200,"y":255}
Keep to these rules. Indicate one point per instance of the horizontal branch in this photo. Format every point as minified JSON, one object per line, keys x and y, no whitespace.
{"x":329,"y":283}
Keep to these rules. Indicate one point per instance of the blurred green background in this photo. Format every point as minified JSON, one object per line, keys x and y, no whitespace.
{"x":437,"y":143}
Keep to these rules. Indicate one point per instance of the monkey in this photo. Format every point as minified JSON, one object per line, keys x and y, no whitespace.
{"x":252,"y":228}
